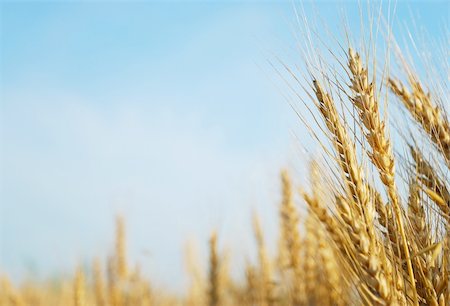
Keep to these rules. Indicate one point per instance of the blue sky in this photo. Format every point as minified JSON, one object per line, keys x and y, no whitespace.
{"x":165,"y":112}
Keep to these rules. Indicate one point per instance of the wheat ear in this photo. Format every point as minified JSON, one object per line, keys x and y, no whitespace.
{"x":99,"y":283}
{"x":357,"y":214}
{"x":365,"y":100}
{"x":214,"y":271}
{"x":79,"y":292}
{"x":121,"y":262}
{"x":430,"y":117}
{"x":265,"y":269}
{"x":291,"y":238}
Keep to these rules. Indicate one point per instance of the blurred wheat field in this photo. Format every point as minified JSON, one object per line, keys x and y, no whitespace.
{"x":377,"y":226}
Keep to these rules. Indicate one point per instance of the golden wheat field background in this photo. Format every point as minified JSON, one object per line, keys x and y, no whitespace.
{"x":362,"y":211}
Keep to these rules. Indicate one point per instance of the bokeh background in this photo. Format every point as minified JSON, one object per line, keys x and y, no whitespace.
{"x":168,"y":113}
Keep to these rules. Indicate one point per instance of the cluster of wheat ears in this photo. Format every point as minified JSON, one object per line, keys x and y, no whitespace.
{"x":377,"y":226}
